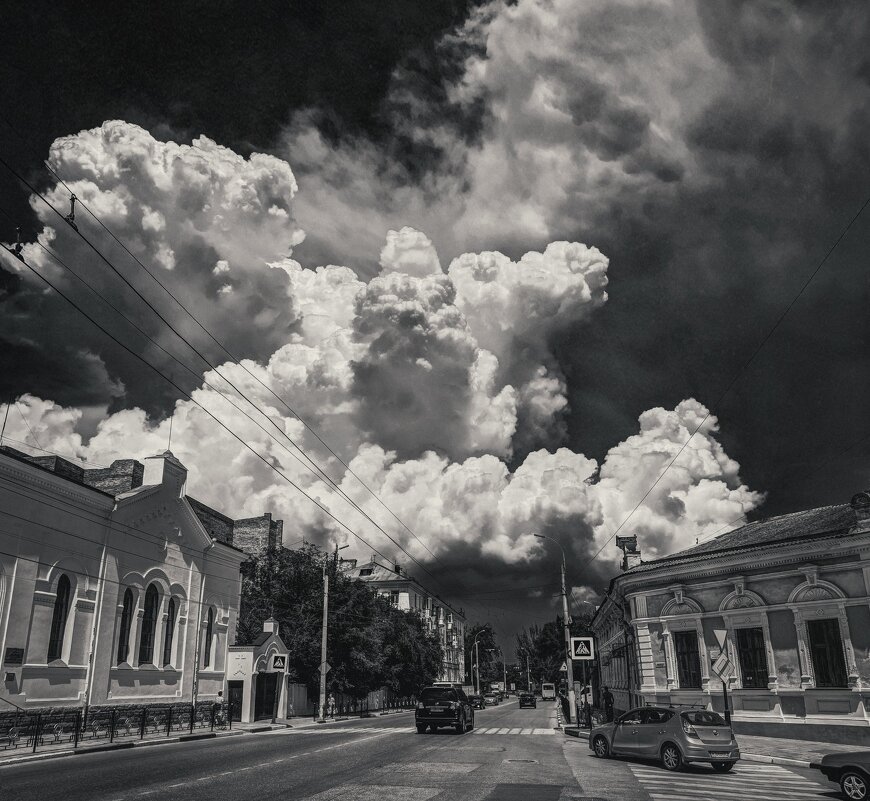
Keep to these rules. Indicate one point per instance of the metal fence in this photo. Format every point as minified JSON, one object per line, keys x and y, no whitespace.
{"x":346,"y":706}
{"x":40,"y":729}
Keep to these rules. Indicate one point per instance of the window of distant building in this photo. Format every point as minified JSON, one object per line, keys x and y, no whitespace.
{"x":688,"y":660}
{"x":58,"y":618}
{"x":752,"y":655}
{"x":826,"y":649}
{"x":366,"y":571}
{"x":394,"y":597}
{"x":126,"y":622}
{"x":149,"y":626}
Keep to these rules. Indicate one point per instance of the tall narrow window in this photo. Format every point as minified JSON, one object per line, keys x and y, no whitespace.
{"x":688,"y":661}
{"x":149,"y":626}
{"x":169,"y":633}
{"x":58,"y":618}
{"x":753,"y":658}
{"x":209,"y":632}
{"x":826,"y":648}
{"x":126,"y":622}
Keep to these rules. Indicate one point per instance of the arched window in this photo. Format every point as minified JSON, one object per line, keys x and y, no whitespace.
{"x":169,"y":633}
{"x":209,"y":632}
{"x":149,"y":626}
{"x":126,"y":622}
{"x":58,"y":618}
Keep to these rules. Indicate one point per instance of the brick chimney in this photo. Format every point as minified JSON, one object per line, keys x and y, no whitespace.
{"x":630,"y":552}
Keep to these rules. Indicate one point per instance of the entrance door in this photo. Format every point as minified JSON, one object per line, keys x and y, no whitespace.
{"x":234,"y":692}
{"x":264,"y":698}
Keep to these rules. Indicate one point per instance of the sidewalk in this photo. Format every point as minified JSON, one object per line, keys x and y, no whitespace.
{"x":772,"y":750}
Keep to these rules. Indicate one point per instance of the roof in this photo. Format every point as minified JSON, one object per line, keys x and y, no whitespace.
{"x":824,"y":521}
{"x":20,"y":456}
{"x":383,"y":574}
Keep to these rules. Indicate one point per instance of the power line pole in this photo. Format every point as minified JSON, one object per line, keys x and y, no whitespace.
{"x":572,"y":701}
{"x":322,"y":700}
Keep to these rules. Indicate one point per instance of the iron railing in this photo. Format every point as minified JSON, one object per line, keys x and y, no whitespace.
{"x":53,"y":727}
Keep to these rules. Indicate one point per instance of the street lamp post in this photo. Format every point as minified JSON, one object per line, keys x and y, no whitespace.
{"x":572,"y":701}
{"x":475,"y":668}
{"x":322,"y":699}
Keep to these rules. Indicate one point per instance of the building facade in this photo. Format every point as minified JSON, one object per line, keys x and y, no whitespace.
{"x":115,"y":587}
{"x":405,"y":592}
{"x":790,"y":595}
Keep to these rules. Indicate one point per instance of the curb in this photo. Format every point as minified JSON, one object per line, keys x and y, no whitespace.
{"x":772,"y":760}
{"x":97,"y":749}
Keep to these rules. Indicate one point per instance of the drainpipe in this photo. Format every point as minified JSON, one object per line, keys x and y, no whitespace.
{"x":196,"y":649}
{"x":98,"y":615}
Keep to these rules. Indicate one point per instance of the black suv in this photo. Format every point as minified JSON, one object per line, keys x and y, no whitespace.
{"x":443,"y":706}
{"x":527,"y":699}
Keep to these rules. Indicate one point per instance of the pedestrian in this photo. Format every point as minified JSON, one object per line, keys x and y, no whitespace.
{"x":608,"y":703}
{"x":331,"y":705}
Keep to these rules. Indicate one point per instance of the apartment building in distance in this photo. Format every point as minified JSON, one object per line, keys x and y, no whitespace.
{"x":406,"y":592}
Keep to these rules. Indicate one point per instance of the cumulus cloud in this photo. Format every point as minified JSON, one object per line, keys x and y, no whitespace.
{"x":441,"y":390}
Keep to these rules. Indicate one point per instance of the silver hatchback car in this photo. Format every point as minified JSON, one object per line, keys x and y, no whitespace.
{"x":673,"y":736}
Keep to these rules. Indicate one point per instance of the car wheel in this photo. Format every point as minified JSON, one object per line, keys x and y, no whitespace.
{"x":854,"y":785}
{"x":471,"y":723}
{"x":421,"y":728}
{"x":600,"y":747}
{"x":672,"y":759}
{"x":722,"y":767}
{"x":460,"y":727}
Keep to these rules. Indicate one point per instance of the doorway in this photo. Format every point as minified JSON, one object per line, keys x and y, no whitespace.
{"x":264,"y":696}
{"x":234,"y":698}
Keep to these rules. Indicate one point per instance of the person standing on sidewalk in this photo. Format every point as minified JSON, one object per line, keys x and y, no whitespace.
{"x":331,"y":705}
{"x":608,"y":704}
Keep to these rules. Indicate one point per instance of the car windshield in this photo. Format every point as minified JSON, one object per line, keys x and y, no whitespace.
{"x":438,"y":694}
{"x":703,"y":717}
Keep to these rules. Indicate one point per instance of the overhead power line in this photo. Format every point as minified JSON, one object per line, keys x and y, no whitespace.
{"x":212,"y":366}
{"x":738,"y":374}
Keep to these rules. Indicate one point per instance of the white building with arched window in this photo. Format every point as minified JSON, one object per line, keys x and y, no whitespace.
{"x":115,"y":587}
{"x":789,"y":597}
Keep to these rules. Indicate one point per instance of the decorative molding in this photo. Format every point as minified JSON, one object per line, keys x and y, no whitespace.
{"x":814,"y":589}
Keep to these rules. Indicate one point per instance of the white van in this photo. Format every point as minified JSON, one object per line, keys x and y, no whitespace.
{"x":548,"y":692}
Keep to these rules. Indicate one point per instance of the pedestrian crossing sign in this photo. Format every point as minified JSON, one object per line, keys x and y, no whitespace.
{"x":582,"y":648}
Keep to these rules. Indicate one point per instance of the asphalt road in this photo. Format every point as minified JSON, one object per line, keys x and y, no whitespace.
{"x":512,"y":755}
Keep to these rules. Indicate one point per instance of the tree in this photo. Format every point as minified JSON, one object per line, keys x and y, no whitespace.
{"x":485,"y":645}
{"x":371,"y":644}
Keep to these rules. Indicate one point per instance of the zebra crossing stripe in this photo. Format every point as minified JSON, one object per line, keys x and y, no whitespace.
{"x":770,"y":782}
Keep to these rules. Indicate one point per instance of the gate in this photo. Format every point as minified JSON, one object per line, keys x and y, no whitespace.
{"x":265,"y":693}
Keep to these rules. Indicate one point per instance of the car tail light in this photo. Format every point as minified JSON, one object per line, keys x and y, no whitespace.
{"x":689,"y":728}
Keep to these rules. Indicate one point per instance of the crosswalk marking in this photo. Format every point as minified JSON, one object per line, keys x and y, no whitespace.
{"x":408,"y":729}
{"x":770,"y":782}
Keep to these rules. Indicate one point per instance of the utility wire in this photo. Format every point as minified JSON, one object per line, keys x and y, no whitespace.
{"x":199,"y":378}
{"x":232,"y":357}
{"x":737,"y":376}
{"x":206,"y":360}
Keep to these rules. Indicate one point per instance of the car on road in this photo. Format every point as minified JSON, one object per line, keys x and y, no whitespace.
{"x":443,"y":706}
{"x":491,"y":699}
{"x":527,"y":699}
{"x":673,"y":736}
{"x":851,"y":770}
{"x":477,"y":701}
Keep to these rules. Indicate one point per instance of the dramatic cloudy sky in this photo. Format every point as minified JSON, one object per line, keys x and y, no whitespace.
{"x":504,"y":258}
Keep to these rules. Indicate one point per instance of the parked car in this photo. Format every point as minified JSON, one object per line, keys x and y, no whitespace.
{"x":674,"y":737}
{"x":491,"y":699}
{"x":851,"y":770}
{"x":477,"y":701}
{"x":527,"y":699}
{"x":443,"y":706}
